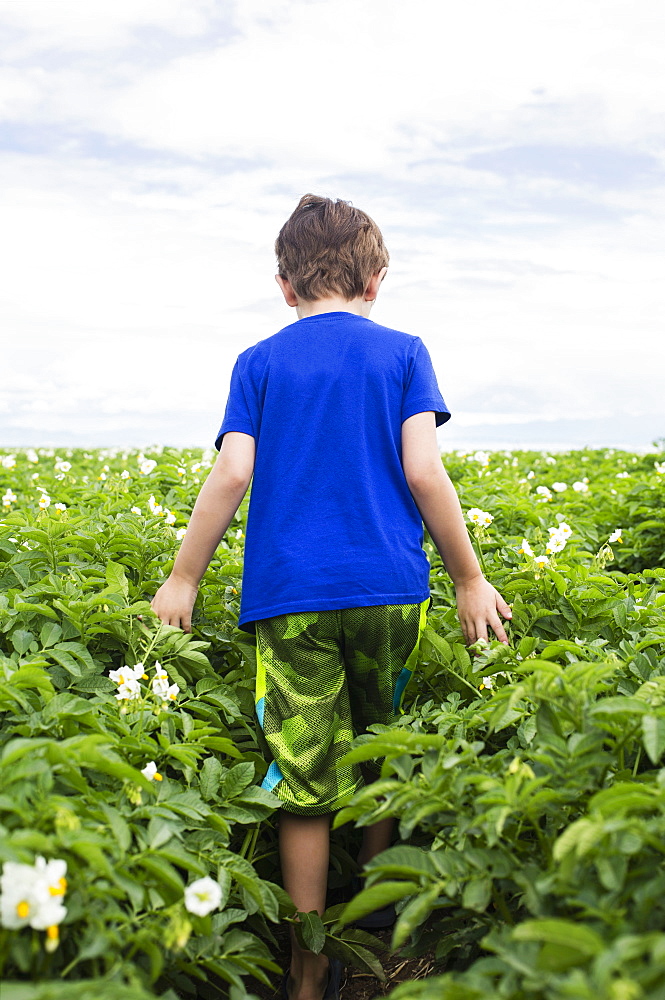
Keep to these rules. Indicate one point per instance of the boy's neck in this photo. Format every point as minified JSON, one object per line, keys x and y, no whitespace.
{"x":335,"y":303}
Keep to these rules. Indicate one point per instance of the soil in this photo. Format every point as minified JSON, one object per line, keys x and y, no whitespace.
{"x":357,"y":985}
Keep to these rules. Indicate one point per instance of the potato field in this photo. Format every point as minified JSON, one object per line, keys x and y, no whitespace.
{"x":138,"y":852}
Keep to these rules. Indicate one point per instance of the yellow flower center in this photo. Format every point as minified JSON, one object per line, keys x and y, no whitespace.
{"x":53,"y":932}
{"x":157,"y":776}
{"x":59,"y":888}
{"x":22,"y":910}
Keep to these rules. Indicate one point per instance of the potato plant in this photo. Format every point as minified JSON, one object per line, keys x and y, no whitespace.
{"x":526,"y":781}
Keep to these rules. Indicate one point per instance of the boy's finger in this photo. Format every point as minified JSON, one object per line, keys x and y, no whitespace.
{"x":481,"y":629}
{"x":499,"y":630}
{"x":504,"y":608}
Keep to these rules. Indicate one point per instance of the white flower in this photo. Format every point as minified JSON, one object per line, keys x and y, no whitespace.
{"x":559,"y":487}
{"x":129,"y":691}
{"x":126,"y":674}
{"x":61,"y":466}
{"x":477,"y":516}
{"x":160,"y":682}
{"x":623,"y":475}
{"x":151,"y":772}
{"x":180,"y":533}
{"x":557,"y":542}
{"x":564,"y":530}
{"x":147,"y":465}
{"x":136,"y":510}
{"x":32,"y":894}
{"x":169,"y":516}
{"x":60,"y":506}
{"x":181,"y":471}
{"x":155,"y":508}
{"x":525,"y":549}
{"x":102,"y":475}
{"x":580,"y":487}
{"x":482,"y":457}
{"x":44,"y":501}
{"x":17,"y":902}
{"x":615,"y":536}
{"x":9,"y":498}
{"x":531,"y":475}
{"x":550,"y":460}
{"x":544,"y":492}
{"x":487,"y":683}
{"x":659,"y":467}
{"x":172,"y":692}
{"x":541,"y":561}
{"x":203,"y":896}
{"x":124,"y":474}
{"x":8,"y":461}
{"x":31,"y":455}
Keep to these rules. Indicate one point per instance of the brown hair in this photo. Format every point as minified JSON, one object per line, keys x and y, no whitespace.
{"x":329,"y":247}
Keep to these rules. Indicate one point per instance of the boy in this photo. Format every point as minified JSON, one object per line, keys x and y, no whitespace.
{"x":335,"y":418}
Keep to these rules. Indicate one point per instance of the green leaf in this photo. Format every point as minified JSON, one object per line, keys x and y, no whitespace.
{"x":351,"y":952}
{"x":78,"y":650}
{"x":653,"y":736}
{"x":414,"y":914}
{"x":116,"y":578}
{"x":66,"y":661}
{"x":619,"y":706}
{"x":581,"y":836}
{"x":477,"y":894}
{"x":236,"y":780}
{"x":312,"y":931}
{"x":375,"y":898}
{"x":49,"y":634}
{"x":42,"y":609}
{"x":564,"y":933}
{"x":402,"y":861}
{"x":167,"y":879}
{"x":119,"y":826}
{"x":210,"y":776}
{"x":21,"y":640}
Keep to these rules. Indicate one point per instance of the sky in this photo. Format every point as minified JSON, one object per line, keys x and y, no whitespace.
{"x":513,"y":155}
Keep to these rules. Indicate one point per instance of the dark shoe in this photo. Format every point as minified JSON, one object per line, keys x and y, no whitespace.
{"x":335,"y":970}
{"x":379,"y":919}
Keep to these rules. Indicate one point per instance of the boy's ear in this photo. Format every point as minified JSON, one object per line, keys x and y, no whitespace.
{"x":287,"y":291}
{"x":374,"y":284}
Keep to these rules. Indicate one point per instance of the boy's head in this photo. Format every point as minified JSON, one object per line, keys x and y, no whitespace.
{"x":329,"y":248}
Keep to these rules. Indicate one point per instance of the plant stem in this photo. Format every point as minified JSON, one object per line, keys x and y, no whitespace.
{"x":479,"y":550}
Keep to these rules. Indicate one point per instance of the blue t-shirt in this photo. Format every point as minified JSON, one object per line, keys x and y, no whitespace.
{"x":331,"y":523}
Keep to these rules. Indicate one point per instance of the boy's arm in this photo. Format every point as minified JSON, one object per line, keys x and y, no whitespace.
{"x":218,"y":500}
{"x":478,"y":603}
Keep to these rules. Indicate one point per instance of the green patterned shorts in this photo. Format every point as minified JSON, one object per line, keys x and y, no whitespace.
{"x":322,"y":678}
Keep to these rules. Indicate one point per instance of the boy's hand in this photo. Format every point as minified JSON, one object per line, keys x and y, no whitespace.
{"x":174,"y":601}
{"x":479,"y":605}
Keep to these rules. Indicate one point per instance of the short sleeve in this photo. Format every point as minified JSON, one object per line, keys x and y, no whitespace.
{"x":239,"y":414}
{"x":421,"y":390}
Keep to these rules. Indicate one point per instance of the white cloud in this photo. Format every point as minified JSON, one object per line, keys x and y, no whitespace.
{"x":36,"y":26}
{"x":165,"y":143}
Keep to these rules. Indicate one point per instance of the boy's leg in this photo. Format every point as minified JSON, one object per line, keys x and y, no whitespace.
{"x":303,"y":708}
{"x":304,"y":848}
{"x":381,"y":650}
{"x":377,"y":837}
